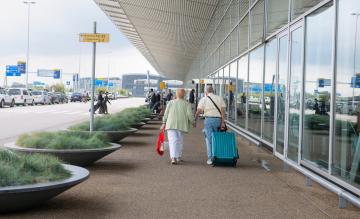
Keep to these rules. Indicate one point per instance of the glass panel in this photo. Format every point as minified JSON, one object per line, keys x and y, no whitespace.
{"x":257,"y":23}
{"x":241,"y":91}
{"x":281,"y":93}
{"x":244,"y":7}
{"x":243,"y":35}
{"x":225,"y":83}
{"x":234,"y":42}
{"x":255,"y":90}
{"x":217,"y":83}
{"x":294,"y":92}
{"x":233,"y":74}
{"x":221,"y":82}
{"x":277,"y":14}
{"x":318,"y":76}
{"x":346,"y":155}
{"x":298,"y":7}
{"x":269,"y":90}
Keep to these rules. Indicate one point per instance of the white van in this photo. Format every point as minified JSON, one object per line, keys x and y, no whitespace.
{"x":21,"y":96}
{"x":41,"y":97}
{"x":6,"y":99}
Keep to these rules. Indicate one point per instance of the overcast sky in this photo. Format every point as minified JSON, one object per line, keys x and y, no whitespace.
{"x":55,"y":26}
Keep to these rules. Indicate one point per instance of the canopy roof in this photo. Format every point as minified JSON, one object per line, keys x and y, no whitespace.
{"x":167,"y":32}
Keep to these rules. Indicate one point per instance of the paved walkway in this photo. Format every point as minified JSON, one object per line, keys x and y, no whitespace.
{"x":135,"y":182}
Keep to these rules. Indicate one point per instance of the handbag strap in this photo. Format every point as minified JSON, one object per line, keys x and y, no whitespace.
{"x":215,"y":105}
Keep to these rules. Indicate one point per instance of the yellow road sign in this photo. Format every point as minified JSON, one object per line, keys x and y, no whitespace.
{"x":162,"y":85}
{"x":94,"y":37}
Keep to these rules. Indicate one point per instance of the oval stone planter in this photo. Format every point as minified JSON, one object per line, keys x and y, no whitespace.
{"x":18,"y":198}
{"x":146,"y":120}
{"x":79,"y":157}
{"x":138,"y":125}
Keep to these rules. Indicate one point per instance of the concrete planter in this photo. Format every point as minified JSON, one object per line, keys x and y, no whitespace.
{"x":138,"y":125}
{"x":79,"y":157}
{"x":146,"y":120}
{"x":18,"y":198}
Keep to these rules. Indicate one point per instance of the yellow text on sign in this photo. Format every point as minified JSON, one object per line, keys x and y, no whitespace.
{"x":162,"y":85}
{"x":94,"y":38}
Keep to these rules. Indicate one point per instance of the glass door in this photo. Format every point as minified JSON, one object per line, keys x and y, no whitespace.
{"x":295,"y":88}
{"x":281,"y":92}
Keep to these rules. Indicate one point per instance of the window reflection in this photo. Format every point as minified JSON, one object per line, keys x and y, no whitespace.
{"x":318,"y":87}
{"x":269,"y":90}
{"x":346,"y":152}
{"x":281,"y":93}
{"x":255,"y":90}
{"x":232,"y":86}
{"x":241,"y":91}
{"x":294,"y":92}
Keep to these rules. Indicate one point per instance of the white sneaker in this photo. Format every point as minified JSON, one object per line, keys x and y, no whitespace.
{"x":209,"y":161}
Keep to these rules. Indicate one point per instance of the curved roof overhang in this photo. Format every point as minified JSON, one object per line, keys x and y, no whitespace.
{"x":168,"y":33}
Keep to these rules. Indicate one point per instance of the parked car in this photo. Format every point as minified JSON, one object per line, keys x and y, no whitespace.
{"x":21,"y":96}
{"x":62,"y":97}
{"x":53,"y":98}
{"x":41,"y":97}
{"x":76,"y":97}
{"x":6,"y":99}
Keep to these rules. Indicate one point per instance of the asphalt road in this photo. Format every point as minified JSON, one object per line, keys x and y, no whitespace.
{"x":19,"y":120}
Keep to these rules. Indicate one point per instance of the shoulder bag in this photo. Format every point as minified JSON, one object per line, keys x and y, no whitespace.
{"x":220,"y":129}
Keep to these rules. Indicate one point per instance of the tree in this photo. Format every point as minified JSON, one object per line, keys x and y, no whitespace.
{"x":57,"y":88}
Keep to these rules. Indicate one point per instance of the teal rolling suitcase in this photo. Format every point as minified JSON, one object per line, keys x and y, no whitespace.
{"x":224,"y":149}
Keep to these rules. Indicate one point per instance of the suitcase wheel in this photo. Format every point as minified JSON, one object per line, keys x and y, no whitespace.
{"x":234,"y":163}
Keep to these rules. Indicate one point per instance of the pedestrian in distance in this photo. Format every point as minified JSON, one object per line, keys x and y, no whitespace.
{"x":177,"y":120}
{"x":105,"y":102}
{"x":210,"y":105}
{"x":99,"y":103}
{"x":169,"y":96}
{"x":192,"y":99}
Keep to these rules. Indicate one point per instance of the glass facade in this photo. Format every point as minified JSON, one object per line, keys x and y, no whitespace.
{"x":269,"y":90}
{"x":232,"y":86}
{"x":346,"y":154}
{"x":241,"y":96}
{"x":288,"y":83}
{"x":317,"y":85}
{"x":295,"y":79}
{"x":256,"y":61}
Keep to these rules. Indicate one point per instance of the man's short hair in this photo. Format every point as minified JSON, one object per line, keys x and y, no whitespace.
{"x":209,"y":89}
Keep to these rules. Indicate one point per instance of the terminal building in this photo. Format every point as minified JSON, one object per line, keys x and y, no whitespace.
{"x":291,"y":66}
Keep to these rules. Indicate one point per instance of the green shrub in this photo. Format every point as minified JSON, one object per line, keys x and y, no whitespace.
{"x":106,"y":123}
{"x":116,"y":122}
{"x":63,"y":140}
{"x":23,"y":169}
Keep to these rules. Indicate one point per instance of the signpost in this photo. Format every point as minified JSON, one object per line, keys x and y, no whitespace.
{"x":93,"y":38}
{"x":54,"y":73}
{"x":21,"y":67}
{"x":12,"y":70}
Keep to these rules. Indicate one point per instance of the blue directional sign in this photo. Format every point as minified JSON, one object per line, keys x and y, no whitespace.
{"x":12,"y":70}
{"x":355,"y":81}
{"x":21,"y":67}
{"x":57,"y":74}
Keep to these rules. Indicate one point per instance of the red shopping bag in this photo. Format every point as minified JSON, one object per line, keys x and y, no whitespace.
{"x":160,"y":143}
